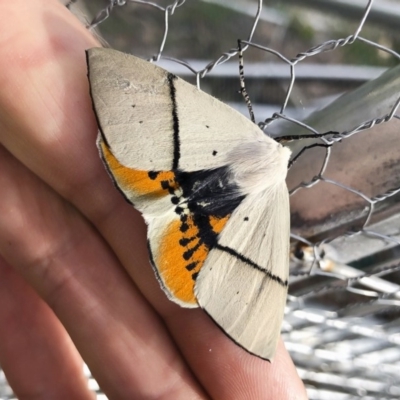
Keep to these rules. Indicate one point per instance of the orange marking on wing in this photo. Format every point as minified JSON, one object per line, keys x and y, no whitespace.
{"x":138,"y":181}
{"x":172,"y":264}
{"x":218,"y":223}
{"x":176,"y":270}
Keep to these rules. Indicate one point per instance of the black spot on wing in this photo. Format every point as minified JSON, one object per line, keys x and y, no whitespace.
{"x":184,"y":226}
{"x":185,"y":241}
{"x":195,"y":275}
{"x":192,"y":266}
{"x":179,"y":210}
{"x":153,"y":175}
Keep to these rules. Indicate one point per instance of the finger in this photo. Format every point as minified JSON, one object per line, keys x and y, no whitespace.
{"x":240,"y":374}
{"x":43,"y":363}
{"x":61,"y":255}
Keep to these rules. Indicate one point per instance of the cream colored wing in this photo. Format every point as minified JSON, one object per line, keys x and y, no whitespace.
{"x":243,"y":282}
{"x":151,"y":120}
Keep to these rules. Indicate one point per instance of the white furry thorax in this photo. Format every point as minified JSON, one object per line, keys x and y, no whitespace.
{"x":258,"y":165}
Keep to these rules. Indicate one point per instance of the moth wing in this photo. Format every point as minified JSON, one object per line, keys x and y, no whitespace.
{"x":178,"y":252}
{"x":154,"y":121}
{"x":243,"y":282}
{"x":167,"y":260}
{"x":149,"y":192}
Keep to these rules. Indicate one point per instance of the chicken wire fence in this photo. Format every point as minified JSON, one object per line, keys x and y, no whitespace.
{"x":342,"y":320}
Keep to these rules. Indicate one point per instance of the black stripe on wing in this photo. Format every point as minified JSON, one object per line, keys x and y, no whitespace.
{"x":247,"y":261}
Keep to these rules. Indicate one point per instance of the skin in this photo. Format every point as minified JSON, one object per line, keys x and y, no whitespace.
{"x":75,"y":281}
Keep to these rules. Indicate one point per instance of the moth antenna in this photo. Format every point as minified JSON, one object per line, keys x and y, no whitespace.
{"x":292,"y":161}
{"x":243,"y":90}
{"x":290,"y":138}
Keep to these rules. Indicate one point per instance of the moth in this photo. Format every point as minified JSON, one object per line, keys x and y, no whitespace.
{"x":211,"y":188}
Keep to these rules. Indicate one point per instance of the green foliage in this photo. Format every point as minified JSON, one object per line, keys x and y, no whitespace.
{"x":303,"y":31}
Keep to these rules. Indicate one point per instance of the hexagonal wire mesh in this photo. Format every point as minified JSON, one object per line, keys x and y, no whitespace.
{"x":342,"y":317}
